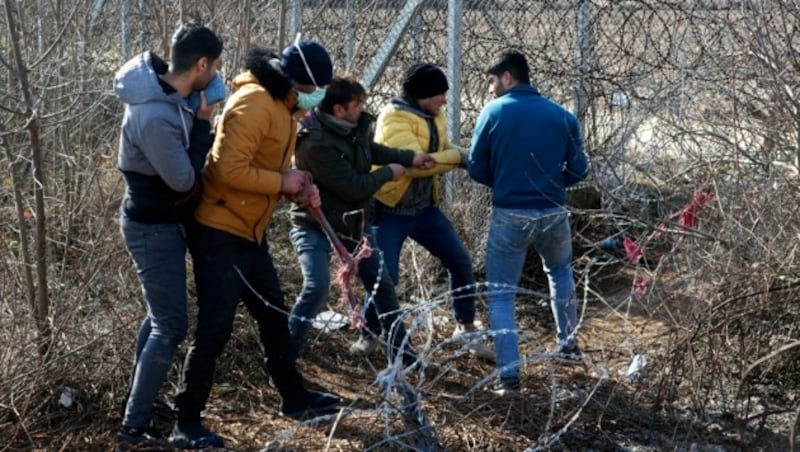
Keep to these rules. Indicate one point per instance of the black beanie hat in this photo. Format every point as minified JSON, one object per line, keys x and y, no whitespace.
{"x":424,"y":80}
{"x":317,"y":58}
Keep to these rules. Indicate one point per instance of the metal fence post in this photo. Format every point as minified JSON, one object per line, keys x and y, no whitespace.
{"x":416,"y":39}
{"x":350,"y":43}
{"x":389,"y":45}
{"x":295,"y":21}
{"x":124,"y":16}
{"x":582,"y":60}
{"x":282,"y":24}
{"x":455,"y":10}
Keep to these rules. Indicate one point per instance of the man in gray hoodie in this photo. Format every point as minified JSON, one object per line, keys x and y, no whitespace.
{"x":163,"y":144}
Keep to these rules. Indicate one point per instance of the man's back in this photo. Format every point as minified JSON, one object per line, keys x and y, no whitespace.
{"x":528,"y":149}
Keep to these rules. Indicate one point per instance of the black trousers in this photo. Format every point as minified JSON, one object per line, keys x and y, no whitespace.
{"x":229,"y":269}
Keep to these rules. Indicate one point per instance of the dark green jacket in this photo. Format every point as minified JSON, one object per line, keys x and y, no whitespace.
{"x":341,"y":161}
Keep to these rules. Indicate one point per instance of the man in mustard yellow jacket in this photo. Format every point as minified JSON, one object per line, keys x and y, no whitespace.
{"x":245,"y":175}
{"x":407,"y":207}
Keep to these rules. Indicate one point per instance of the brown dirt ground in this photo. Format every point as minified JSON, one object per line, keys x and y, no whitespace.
{"x":592,"y":402}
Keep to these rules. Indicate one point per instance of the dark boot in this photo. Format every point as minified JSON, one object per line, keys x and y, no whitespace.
{"x":309,"y":404}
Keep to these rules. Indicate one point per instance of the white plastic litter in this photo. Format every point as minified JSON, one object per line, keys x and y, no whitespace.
{"x":329,"y":321}
{"x":67,"y":397}
{"x":638,"y":362}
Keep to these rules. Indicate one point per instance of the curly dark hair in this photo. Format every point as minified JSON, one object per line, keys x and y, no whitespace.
{"x":258,"y":63}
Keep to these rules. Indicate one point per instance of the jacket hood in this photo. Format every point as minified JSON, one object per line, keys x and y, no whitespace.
{"x":248,"y":78}
{"x":243,"y":79}
{"x":136,"y":82}
{"x":310,"y":121}
{"x":406,"y":103}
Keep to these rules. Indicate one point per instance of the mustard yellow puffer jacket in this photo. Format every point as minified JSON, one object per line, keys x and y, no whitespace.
{"x":402,"y":126}
{"x":254,"y":144}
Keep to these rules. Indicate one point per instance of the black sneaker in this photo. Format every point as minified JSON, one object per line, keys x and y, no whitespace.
{"x":310,"y":404}
{"x":192,"y":435}
{"x":140,"y":438}
{"x":569,"y":353}
{"x":505,"y":387}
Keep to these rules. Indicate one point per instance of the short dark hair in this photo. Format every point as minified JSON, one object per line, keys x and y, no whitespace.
{"x":190,"y":42}
{"x":341,"y":91}
{"x":514,"y":63}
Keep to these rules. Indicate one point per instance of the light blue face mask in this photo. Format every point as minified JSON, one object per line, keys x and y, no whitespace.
{"x":307,"y":101}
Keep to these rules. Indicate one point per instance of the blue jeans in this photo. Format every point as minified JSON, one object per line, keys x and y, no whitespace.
{"x":159,"y":253}
{"x":511,"y":232}
{"x":431,"y":229}
{"x":313,"y":251}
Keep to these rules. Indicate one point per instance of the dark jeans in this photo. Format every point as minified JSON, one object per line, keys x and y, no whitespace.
{"x":217,"y":256}
{"x":159,"y":253}
{"x":313,"y":251}
{"x":431,"y":229}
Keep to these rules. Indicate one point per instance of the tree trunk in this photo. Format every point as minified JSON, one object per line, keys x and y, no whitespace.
{"x":42,"y":303}
{"x":125,"y":29}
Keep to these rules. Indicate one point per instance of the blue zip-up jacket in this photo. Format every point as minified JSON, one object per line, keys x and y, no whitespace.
{"x":528,"y":149}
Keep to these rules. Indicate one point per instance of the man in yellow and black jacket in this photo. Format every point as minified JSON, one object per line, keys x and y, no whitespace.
{"x":408,"y":207}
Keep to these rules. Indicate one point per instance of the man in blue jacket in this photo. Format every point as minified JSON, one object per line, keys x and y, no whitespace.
{"x":528,"y":150}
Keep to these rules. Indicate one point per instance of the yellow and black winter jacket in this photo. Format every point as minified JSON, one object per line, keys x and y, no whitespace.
{"x":401,"y":124}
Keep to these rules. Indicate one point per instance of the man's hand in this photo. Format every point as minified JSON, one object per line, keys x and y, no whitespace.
{"x":464,"y":159}
{"x":205,"y":111}
{"x":308,"y":196}
{"x":398,"y":170}
{"x":293,"y":181}
{"x":423,"y":160}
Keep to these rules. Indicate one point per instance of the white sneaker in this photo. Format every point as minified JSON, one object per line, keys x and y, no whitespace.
{"x":475,"y":341}
{"x":365,"y":345}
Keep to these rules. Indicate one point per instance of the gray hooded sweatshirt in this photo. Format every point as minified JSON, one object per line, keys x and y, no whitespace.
{"x":162,"y":146}
{"x":156,"y":126}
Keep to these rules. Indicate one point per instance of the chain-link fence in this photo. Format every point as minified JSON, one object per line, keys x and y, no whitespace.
{"x":645,"y":76}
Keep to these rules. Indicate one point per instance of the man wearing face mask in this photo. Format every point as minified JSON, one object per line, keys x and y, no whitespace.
{"x":244,"y":177}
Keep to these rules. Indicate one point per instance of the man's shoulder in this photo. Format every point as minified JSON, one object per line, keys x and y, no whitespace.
{"x":321,"y":138}
{"x":156,"y":112}
{"x":251,"y":96}
{"x":398,"y":117}
{"x":312,"y":137}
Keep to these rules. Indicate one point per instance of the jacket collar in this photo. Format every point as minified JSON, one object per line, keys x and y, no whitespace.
{"x":405,"y":102}
{"x":523,"y":89}
{"x":316,"y":119}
